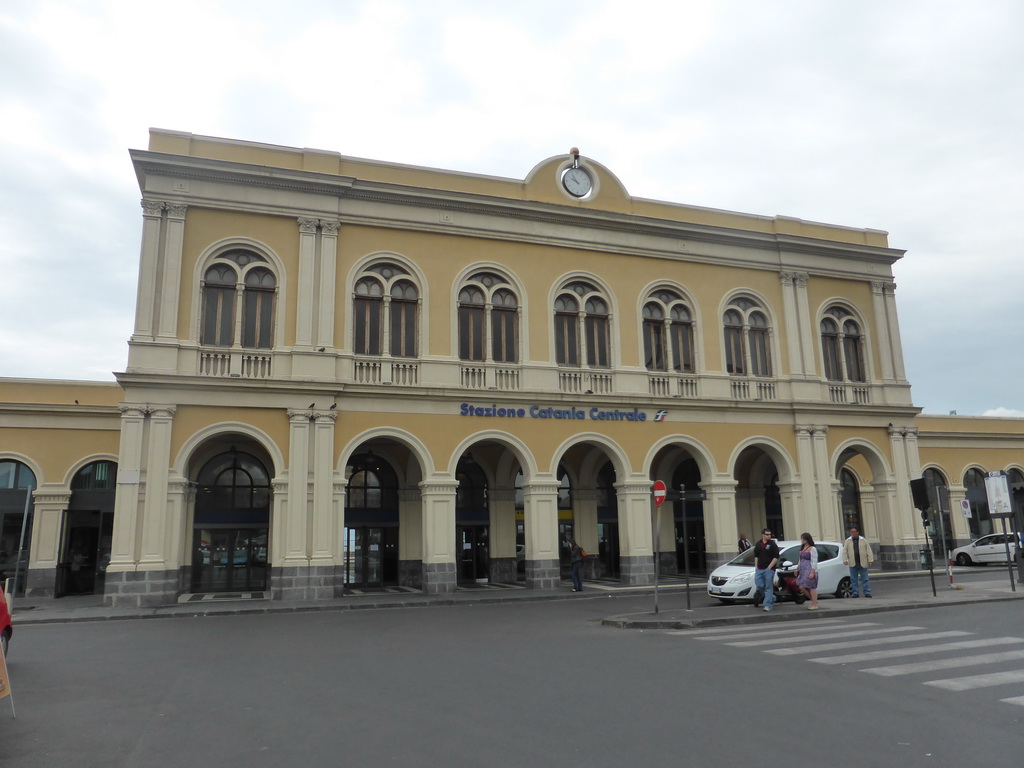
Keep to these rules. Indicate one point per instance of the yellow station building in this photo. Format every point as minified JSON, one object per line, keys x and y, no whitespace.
{"x":348,"y":375}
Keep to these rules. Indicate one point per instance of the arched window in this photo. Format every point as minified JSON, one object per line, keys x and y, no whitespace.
{"x":219,"y":306}
{"x":233,"y":273}
{"x":842,"y":346}
{"x":980,"y":522}
{"x":97,"y":476}
{"x":258,"y":321}
{"x":850,"y":501}
{"x":488,"y":306}
{"x":589,"y":324}
{"x":668,"y":332}
{"x":747,"y":335}
{"x":17,"y":481}
{"x":385,"y":312}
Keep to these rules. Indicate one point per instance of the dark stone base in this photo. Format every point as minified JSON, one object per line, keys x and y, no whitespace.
{"x":503,"y":570}
{"x":668,"y":563}
{"x":410,"y":573}
{"x":39,"y":582}
{"x":901,"y":557}
{"x":636,"y":570}
{"x":592,"y":568}
{"x":439,"y":578}
{"x":543,"y":574}
{"x":140,"y":589}
{"x":293,"y":582}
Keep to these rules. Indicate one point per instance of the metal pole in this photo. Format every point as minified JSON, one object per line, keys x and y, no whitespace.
{"x":686,"y":547}
{"x":931,"y":568}
{"x":657,"y":544}
{"x":942,"y":536}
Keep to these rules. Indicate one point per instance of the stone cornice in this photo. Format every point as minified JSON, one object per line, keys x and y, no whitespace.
{"x":667,"y":238}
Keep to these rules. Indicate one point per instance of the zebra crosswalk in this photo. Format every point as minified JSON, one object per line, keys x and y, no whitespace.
{"x":830,"y":641}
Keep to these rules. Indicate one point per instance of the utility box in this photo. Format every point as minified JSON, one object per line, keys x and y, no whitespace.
{"x":926,"y":558}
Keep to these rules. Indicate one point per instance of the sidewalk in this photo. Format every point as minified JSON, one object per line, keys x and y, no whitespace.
{"x":894,"y":592}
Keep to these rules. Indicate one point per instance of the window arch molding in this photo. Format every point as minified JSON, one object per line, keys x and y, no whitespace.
{"x":748,"y":304}
{"x":669,"y":297}
{"x":365,"y":268}
{"x":464,"y":278}
{"x":837,"y":351}
{"x":218,"y":254}
{"x":81,"y":464}
{"x":566,"y":285}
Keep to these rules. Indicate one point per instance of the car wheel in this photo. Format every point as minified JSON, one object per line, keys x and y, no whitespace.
{"x":845,"y":588}
{"x":963,"y":559}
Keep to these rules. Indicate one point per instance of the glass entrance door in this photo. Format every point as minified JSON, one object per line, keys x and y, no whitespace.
{"x":473,"y":553}
{"x":371,"y":556}
{"x":229,"y":560}
{"x":608,"y":548}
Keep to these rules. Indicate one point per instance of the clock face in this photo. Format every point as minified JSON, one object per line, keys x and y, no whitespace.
{"x":577,"y":182}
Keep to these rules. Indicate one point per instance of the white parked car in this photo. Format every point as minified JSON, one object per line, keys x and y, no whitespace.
{"x":987,"y":549}
{"x":734,"y":581}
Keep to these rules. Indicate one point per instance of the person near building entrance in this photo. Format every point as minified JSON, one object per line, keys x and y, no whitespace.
{"x":766,"y":555}
{"x":857,"y":555}
{"x":807,"y":572}
{"x":744,"y":543}
{"x":576,"y":563}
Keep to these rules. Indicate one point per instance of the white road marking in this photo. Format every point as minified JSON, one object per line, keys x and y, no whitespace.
{"x":937,"y":664}
{"x":1018,"y":700}
{"x":869,"y":641}
{"x":826,"y":636}
{"x":979,"y":681}
{"x":892,"y":653}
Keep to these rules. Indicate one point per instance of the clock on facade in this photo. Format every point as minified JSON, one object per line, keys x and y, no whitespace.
{"x":577,"y":181}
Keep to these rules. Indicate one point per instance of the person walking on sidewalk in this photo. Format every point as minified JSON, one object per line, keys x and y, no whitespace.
{"x":807,"y":572}
{"x":766,"y":556}
{"x":576,"y":563}
{"x":857,"y":554}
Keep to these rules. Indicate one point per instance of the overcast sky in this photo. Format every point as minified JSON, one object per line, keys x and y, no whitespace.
{"x":902,"y":116}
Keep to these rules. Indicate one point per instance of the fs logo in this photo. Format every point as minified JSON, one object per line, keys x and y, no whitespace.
{"x":660,"y":415}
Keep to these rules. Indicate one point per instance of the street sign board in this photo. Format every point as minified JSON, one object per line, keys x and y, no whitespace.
{"x":659,"y":493}
{"x":998,"y":491}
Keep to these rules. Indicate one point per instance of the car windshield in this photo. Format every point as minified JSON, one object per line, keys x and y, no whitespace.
{"x":744,"y":558}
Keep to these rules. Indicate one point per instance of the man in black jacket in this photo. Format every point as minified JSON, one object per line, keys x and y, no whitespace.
{"x":766,"y":556}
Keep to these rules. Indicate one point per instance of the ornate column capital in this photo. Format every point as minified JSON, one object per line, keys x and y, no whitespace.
{"x":152,"y":208}
{"x":130,"y":410}
{"x":176,"y":210}
{"x":798,"y":279}
{"x":296,"y":415}
{"x":323,"y":417}
{"x":329,"y":227}
{"x":308,"y":226}
{"x":162,"y":411}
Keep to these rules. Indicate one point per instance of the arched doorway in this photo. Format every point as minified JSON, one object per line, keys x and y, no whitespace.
{"x":88,"y":530}
{"x":472,"y":522}
{"x":758,"y":497}
{"x":17,"y":482}
{"x":691,"y":545}
{"x":371,"y":522}
{"x":980,"y":522}
{"x":231,"y":524}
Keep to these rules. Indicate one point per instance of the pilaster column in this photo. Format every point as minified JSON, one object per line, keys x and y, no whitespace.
{"x":410,"y":538}
{"x":721,"y":527}
{"x":305,"y":305}
{"x":895,"y":340}
{"x":883,"y":333}
{"x":325,"y":514}
{"x":540,"y":517}
{"x":636,"y":560}
{"x":819,"y":519}
{"x":49,"y":503}
{"x":296,"y":529}
{"x":129,"y":480}
{"x":181,"y":498}
{"x":903,"y":512}
{"x":154,"y":514}
{"x":145,"y":302}
{"x":328,"y":261}
{"x":806,"y":459}
{"x":799,"y":332}
{"x":170,"y":284}
{"x":438,"y":499}
{"x":961,"y":527}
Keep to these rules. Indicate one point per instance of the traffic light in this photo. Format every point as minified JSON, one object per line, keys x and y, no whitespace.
{"x":924,"y":517}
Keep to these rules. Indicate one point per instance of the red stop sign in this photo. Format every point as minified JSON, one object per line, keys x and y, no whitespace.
{"x":659,"y":493}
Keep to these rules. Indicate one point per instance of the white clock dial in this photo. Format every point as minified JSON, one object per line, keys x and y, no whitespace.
{"x":577,"y":182}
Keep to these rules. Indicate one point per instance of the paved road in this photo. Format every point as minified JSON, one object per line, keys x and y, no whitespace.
{"x":540,"y":683}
